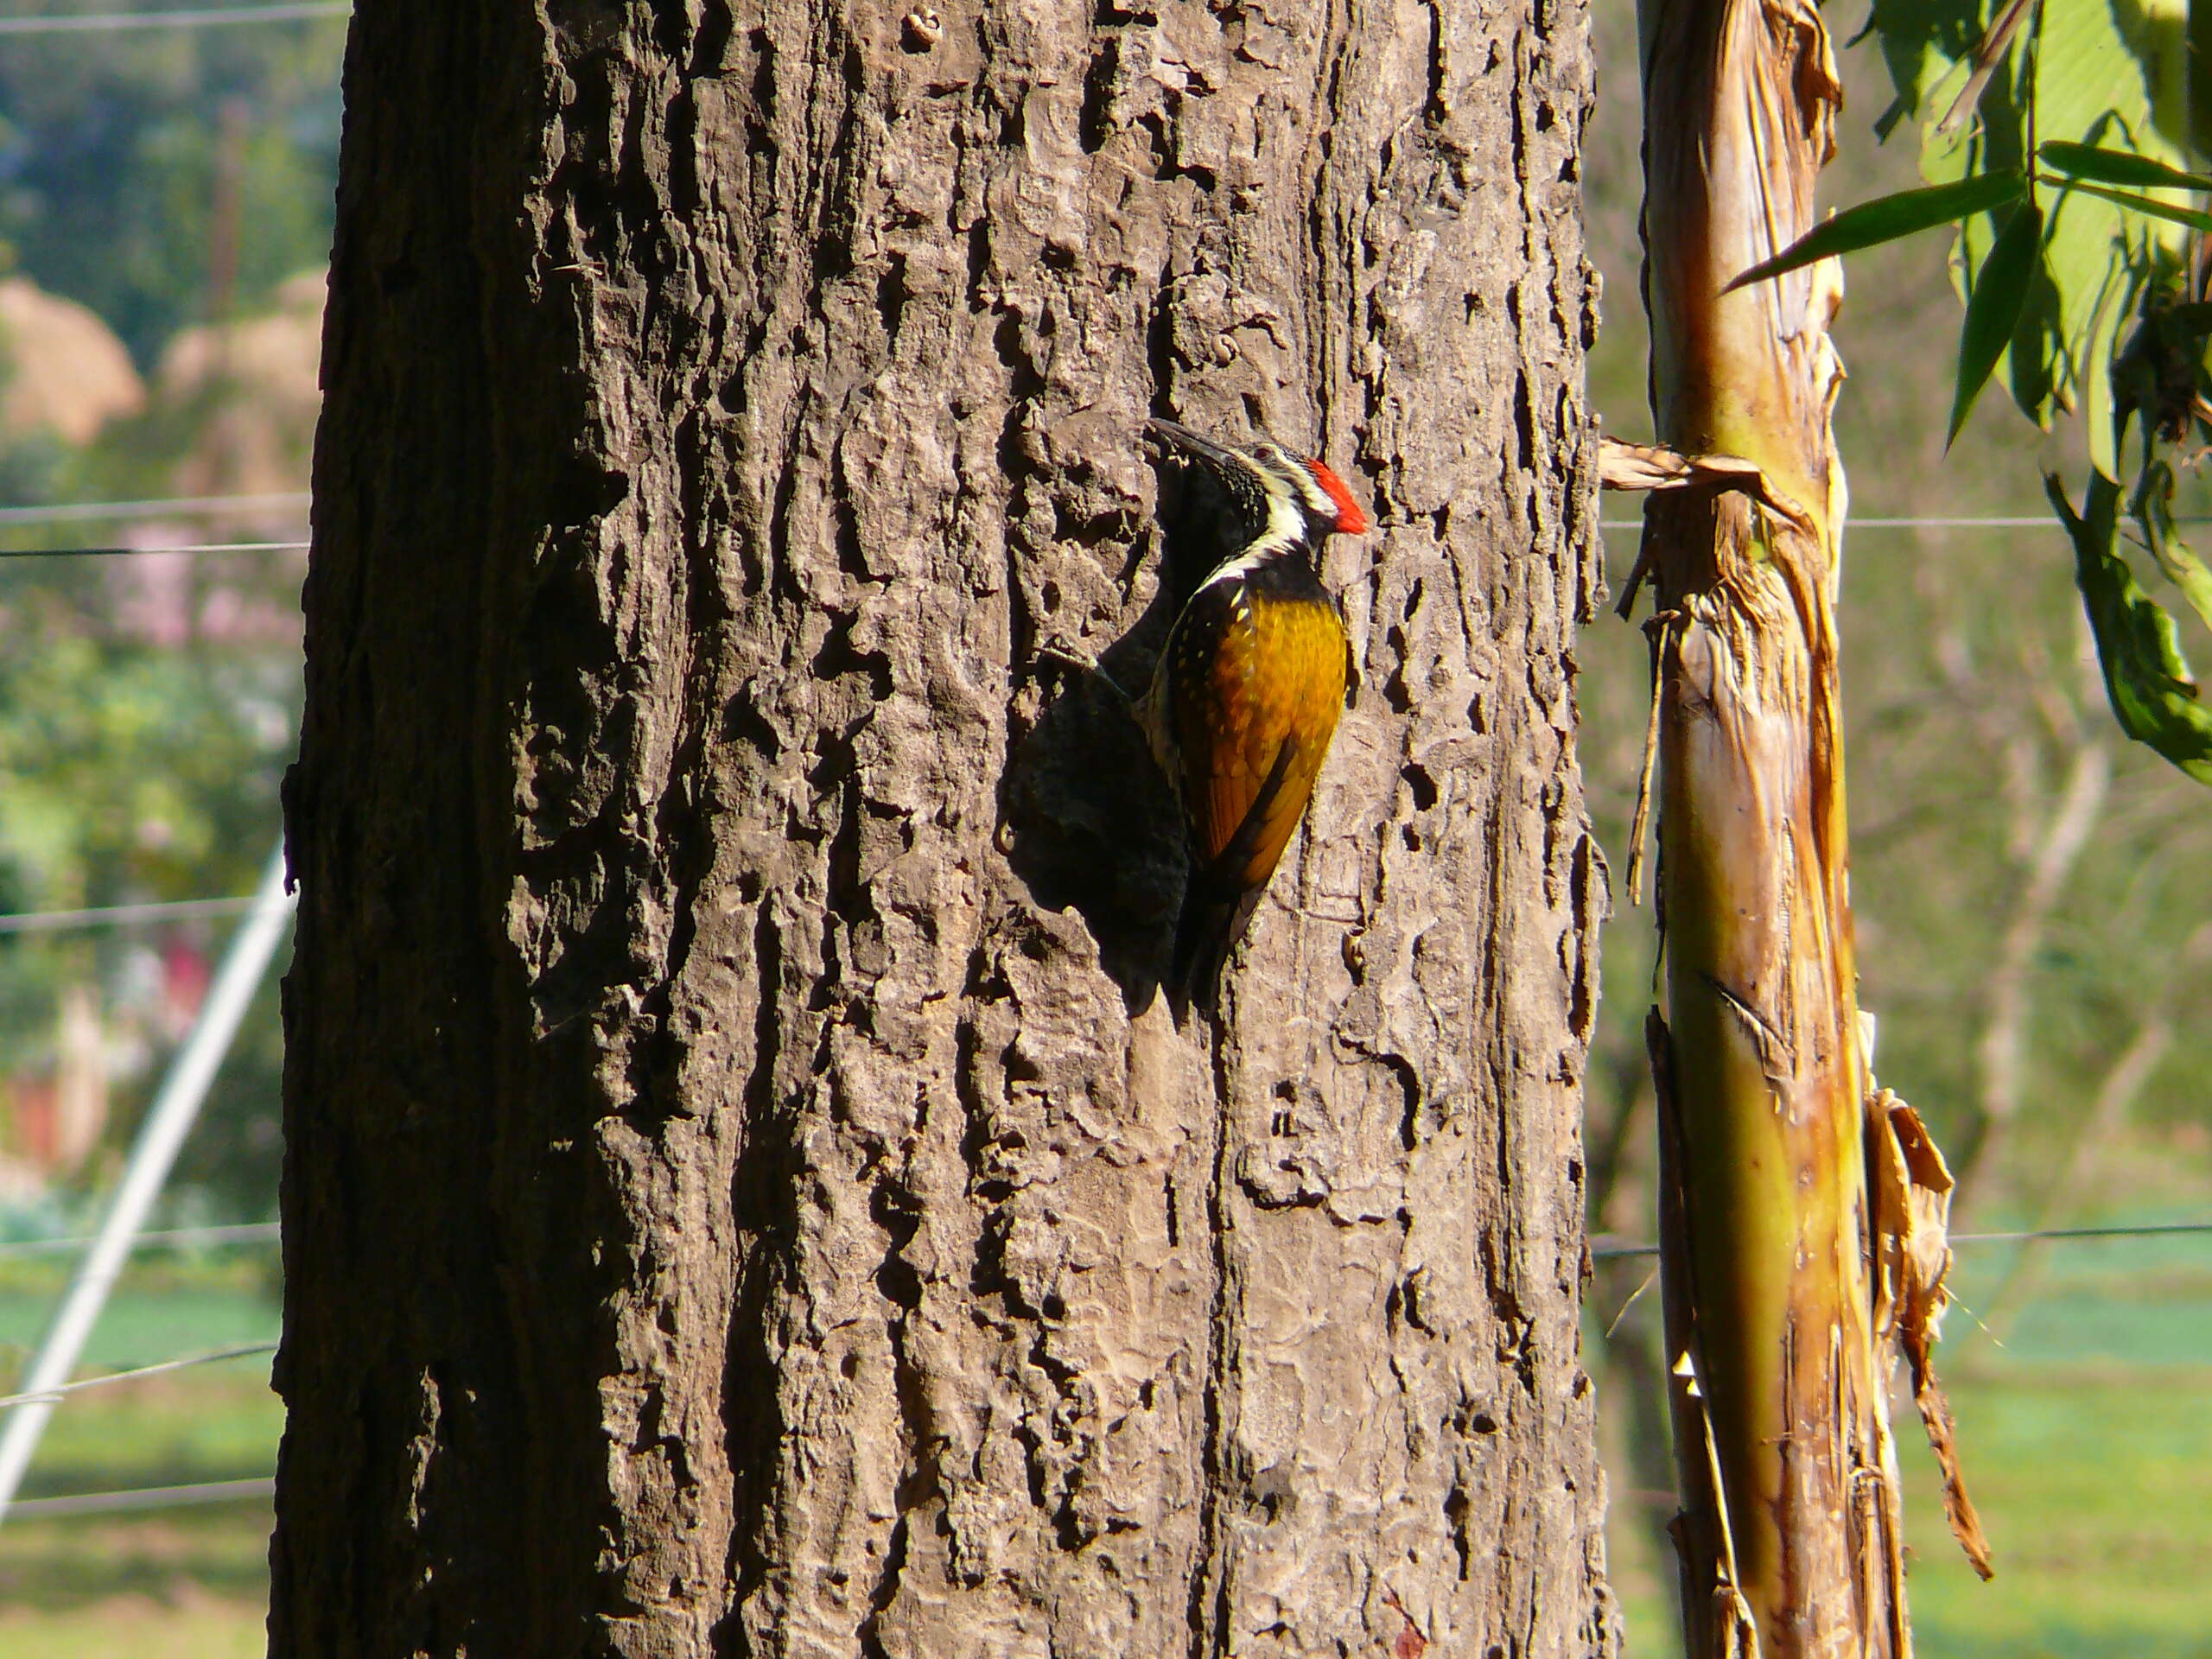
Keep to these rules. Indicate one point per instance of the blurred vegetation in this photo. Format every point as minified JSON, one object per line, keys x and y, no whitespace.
{"x":186,"y":1582}
{"x":2033,"y":896}
{"x":1975,"y":718}
{"x":109,"y":147}
{"x":2089,"y":1449}
{"x":140,"y":770}
{"x":148,"y":707}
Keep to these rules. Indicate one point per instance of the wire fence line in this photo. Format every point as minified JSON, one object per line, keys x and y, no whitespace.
{"x":2149,"y":1229}
{"x":181,"y":1239}
{"x":1602,"y":524}
{"x":196,"y":17}
{"x":1603,"y":1246}
{"x":168,"y":1119}
{"x":47,"y":1395}
{"x":142,"y":552}
{"x":1606,"y":1247}
{"x":49,"y":921}
{"x":144,"y":1497}
{"x":257,"y":1487}
{"x":168,"y":506}
{"x":300,"y":500}
{"x":1938,"y":522}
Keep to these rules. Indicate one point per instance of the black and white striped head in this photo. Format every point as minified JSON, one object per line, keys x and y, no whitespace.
{"x":1272,"y":500}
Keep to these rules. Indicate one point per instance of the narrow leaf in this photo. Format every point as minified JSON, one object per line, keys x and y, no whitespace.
{"x":2187,"y":572}
{"x":2154,"y":515}
{"x":2118,"y":167}
{"x":1888,"y":217}
{"x":1988,"y":53}
{"x":2195,"y":218}
{"x":2146,"y":676}
{"x":2000,"y":290}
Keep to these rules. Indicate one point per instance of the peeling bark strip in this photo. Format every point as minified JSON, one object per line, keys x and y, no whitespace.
{"x":1789,"y":1282}
{"x":732,"y":1207}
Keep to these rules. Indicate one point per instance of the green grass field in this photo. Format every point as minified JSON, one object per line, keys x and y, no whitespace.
{"x":2087,"y":1441}
{"x":2087,"y":1436}
{"x":177,"y":1584}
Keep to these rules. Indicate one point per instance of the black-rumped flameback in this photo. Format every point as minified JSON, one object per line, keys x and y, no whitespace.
{"x":1253,"y":676}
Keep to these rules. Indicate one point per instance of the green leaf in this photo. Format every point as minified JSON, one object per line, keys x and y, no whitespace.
{"x":2103,"y":77}
{"x":2117,"y":167}
{"x":2119,"y":301}
{"x":2146,"y":676}
{"x":2154,"y":512}
{"x":2097,"y":73}
{"x":2195,"y":218}
{"x":1888,"y":217}
{"x":2000,"y":289}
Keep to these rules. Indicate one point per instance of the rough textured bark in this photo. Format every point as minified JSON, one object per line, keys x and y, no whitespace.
{"x":744,"y":1196}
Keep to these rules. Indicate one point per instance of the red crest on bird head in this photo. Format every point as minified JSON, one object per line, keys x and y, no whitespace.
{"x":1351,"y":521}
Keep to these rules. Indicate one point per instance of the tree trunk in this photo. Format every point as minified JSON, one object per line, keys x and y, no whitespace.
{"x":744,"y":1195}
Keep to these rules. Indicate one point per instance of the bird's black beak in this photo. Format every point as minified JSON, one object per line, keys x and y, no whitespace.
{"x":1176,"y":435}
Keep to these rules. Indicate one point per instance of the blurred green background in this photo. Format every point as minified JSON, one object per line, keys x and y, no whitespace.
{"x":2033,"y":897}
{"x":165,"y":213}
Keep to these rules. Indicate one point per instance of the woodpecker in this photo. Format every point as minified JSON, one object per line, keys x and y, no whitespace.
{"x":1253,"y":676}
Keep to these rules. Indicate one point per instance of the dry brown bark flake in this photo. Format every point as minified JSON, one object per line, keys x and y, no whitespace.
{"x":744,"y":1195}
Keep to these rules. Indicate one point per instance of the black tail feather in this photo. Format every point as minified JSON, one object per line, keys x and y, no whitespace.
{"x":1205,"y":932}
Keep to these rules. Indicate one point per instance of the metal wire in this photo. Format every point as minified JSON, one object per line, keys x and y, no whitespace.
{"x":2046,"y":522}
{"x":196,"y":18}
{"x":142,"y":1497}
{"x":1602,"y":524}
{"x":2152,"y":1231}
{"x":1604,"y":1247}
{"x":251,"y":1232}
{"x":222,"y":1492}
{"x":49,"y":921}
{"x":215,"y":506}
{"x":44,"y":1397}
{"x":174,"y":506}
{"x":139,"y":552}
{"x":168,"y":1119}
